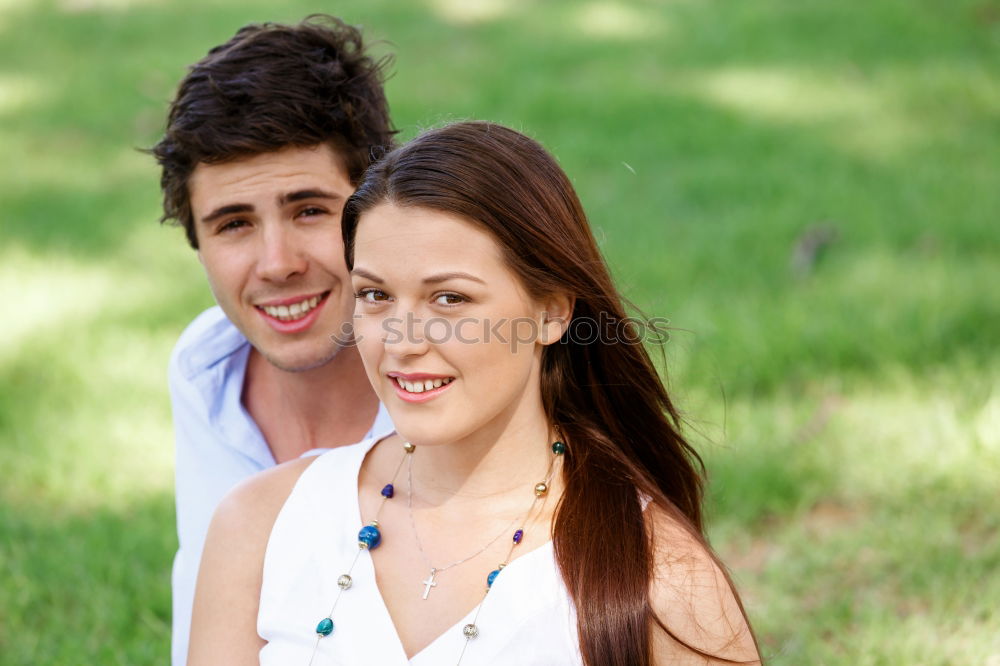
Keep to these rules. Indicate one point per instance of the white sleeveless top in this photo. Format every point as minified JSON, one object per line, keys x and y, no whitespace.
{"x":527,"y":619}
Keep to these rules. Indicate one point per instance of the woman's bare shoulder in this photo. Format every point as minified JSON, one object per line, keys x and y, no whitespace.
{"x":693,"y":599}
{"x":223,"y":623}
{"x":255,"y":502}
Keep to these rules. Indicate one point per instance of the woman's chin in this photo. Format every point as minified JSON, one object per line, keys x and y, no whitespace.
{"x":419,"y":439}
{"x":425,"y":433}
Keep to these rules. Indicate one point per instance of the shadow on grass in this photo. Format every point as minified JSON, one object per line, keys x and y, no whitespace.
{"x":869,"y":584}
{"x":101,"y":576}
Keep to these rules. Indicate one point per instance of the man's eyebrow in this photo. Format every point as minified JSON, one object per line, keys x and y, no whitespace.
{"x":453,"y":275}
{"x":292,"y":197}
{"x":360,"y":272}
{"x":283,"y":200}
{"x":226,"y":210}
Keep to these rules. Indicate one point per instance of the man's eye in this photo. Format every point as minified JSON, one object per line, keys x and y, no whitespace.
{"x":449,"y":299}
{"x":311,"y":211}
{"x":371,"y":295}
{"x":232,"y":225}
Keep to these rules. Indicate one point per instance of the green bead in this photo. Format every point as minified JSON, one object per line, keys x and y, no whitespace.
{"x":325,"y":627}
{"x":558,"y":448}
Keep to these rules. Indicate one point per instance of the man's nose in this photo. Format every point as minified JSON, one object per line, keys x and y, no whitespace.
{"x":280,"y":258}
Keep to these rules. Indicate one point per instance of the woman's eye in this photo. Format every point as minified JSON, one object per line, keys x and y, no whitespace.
{"x":449,"y":299}
{"x":371,"y":295}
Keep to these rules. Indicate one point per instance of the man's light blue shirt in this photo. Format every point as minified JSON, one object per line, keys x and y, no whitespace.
{"x":218,"y":444}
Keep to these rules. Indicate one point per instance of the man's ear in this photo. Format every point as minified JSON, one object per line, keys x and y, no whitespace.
{"x":556,"y":315}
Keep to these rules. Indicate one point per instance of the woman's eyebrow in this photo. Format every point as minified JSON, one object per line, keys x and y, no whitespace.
{"x":360,"y":272}
{"x":452,"y":275}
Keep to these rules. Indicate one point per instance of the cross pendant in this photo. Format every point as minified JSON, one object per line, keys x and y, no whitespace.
{"x":429,"y":583}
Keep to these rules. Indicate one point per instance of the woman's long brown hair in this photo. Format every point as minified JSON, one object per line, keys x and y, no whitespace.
{"x":599,"y":386}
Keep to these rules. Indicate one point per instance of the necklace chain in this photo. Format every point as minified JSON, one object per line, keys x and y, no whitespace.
{"x":416,"y":534}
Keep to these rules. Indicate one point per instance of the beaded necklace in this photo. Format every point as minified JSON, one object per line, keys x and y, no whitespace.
{"x":370,"y":537}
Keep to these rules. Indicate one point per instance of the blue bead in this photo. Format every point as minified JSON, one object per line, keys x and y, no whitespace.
{"x":492,"y":577}
{"x":325,"y":627}
{"x":369,"y":537}
{"x":518,"y":535}
{"x":388,"y":491}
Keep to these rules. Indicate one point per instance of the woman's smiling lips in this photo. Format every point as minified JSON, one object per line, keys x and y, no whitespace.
{"x":419,"y":387}
{"x":294,"y":314}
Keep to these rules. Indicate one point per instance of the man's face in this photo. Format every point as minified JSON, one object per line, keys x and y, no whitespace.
{"x":268,"y":229}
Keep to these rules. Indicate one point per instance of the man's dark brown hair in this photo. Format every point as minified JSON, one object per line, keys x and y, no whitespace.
{"x":271,"y":87}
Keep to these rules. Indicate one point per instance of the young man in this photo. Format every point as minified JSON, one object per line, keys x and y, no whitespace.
{"x":267,"y":137}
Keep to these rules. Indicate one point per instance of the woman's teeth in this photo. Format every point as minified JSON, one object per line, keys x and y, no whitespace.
{"x":293,"y":311}
{"x":421,"y":386}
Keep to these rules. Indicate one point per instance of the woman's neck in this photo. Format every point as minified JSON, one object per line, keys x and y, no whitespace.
{"x":496,"y":461}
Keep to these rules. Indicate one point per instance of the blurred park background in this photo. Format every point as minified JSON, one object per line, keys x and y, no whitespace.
{"x":809,"y":190}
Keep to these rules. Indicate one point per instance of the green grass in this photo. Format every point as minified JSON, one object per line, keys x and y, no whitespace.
{"x":850,"y":417}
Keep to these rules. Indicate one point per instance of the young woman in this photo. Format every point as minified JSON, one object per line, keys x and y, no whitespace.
{"x":538,"y":504}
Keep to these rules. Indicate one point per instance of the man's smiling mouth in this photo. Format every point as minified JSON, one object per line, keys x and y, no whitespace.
{"x":293,"y":311}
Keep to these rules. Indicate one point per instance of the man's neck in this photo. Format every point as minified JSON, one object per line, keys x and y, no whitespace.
{"x":325,"y":407}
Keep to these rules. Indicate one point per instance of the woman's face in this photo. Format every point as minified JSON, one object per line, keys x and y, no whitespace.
{"x":450,"y":339}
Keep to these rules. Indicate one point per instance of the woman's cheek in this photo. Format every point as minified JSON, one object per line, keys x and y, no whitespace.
{"x":366,"y":335}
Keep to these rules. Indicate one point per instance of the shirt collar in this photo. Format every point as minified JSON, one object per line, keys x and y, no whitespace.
{"x":214,"y":339}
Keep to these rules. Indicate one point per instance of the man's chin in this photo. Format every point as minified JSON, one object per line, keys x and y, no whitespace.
{"x":299,"y":362}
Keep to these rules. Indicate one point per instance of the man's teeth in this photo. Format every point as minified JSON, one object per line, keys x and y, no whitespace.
{"x":421,"y":386}
{"x":293,"y":311}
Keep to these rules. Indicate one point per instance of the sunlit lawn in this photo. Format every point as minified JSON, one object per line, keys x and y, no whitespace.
{"x":849,"y":409}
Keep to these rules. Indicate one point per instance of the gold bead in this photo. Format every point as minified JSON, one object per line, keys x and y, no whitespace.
{"x":344,"y":582}
{"x":541,"y":489}
{"x":409,"y":448}
{"x":470,"y":631}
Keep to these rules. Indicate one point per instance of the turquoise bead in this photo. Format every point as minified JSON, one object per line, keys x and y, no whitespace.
{"x":369,"y":537}
{"x":492,"y":577}
{"x":325,"y":627}
{"x":558,"y":448}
